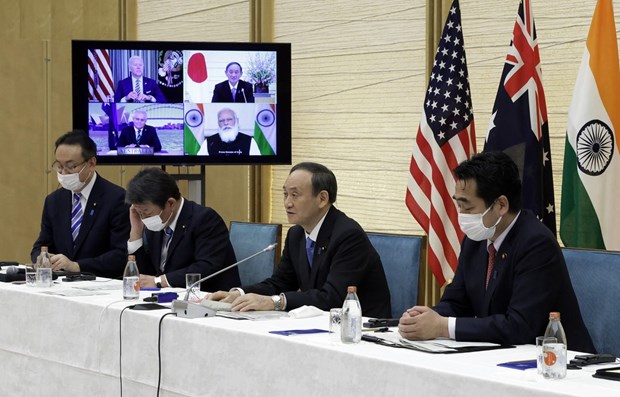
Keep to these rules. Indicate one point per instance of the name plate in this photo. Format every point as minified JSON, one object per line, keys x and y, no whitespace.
{"x":135,"y":150}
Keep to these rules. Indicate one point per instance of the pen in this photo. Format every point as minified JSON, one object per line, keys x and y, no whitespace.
{"x":150,"y":289}
{"x":379,"y":329}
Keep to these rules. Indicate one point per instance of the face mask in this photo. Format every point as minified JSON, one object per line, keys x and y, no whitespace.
{"x":473,"y":227}
{"x":71,"y":181}
{"x":154,"y":223}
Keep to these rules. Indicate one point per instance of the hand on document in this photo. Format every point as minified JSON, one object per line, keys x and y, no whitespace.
{"x":422,"y":323}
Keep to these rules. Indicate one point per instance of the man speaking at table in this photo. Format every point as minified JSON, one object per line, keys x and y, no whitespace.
{"x":511,"y":270}
{"x":325,"y":252}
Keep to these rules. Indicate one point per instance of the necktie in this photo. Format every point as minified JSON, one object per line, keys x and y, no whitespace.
{"x":310,"y":250}
{"x":139,"y":135}
{"x":76,"y":216}
{"x":491,"y":263}
{"x":233,"y":92}
{"x":164,"y":247}
{"x":137,"y":88}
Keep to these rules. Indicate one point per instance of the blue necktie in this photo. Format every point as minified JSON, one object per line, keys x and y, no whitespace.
{"x":139,"y":135}
{"x":76,"y":216}
{"x":233,"y":91}
{"x":310,"y":250}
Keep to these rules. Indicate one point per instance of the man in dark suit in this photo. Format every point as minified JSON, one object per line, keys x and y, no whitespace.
{"x":85,"y":224}
{"x":233,"y":89}
{"x":139,"y":134}
{"x":171,"y":236}
{"x":511,"y":270}
{"x":136,"y":87}
{"x":325,"y":252}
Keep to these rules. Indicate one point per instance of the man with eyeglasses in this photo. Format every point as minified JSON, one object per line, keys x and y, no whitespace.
{"x":85,"y":223}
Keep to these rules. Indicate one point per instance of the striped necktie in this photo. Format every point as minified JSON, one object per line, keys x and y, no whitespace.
{"x":137,"y":88}
{"x":139,"y":135}
{"x":76,"y":216}
{"x":491,"y":263}
{"x":164,"y":247}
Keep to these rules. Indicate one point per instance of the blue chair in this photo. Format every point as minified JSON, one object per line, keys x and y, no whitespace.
{"x":248,"y":238}
{"x":401,"y":256}
{"x":595,"y":276}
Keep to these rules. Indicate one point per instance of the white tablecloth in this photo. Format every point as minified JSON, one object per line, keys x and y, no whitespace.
{"x":69,"y":346}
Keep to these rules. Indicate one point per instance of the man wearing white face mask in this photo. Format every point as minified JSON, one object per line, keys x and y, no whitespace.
{"x":84,"y":224}
{"x":171,"y":236}
{"x":511,"y":271}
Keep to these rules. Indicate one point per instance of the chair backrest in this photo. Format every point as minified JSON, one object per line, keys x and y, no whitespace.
{"x":595,"y":276}
{"x":401,"y":256}
{"x":248,"y":238}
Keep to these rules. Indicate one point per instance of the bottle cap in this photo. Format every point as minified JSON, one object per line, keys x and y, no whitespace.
{"x":131,"y":257}
{"x":44,"y":248}
{"x":351,"y":289}
{"x":554,"y":315}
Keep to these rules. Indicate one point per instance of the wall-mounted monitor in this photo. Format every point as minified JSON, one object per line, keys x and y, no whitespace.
{"x":184,"y":103}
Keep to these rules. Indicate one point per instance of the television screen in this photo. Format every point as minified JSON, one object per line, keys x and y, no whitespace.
{"x":184,"y":103}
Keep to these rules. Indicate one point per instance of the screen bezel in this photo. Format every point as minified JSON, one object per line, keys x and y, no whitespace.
{"x":80,"y":102}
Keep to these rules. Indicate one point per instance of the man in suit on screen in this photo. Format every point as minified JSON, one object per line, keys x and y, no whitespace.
{"x":234,"y":89}
{"x":139,"y":134}
{"x":137,"y":87}
{"x":324,"y":253}
{"x":85,"y":223}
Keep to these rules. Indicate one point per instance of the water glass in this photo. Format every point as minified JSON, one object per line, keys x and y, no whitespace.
{"x":44,"y":277}
{"x":31,"y":276}
{"x":335,"y":316}
{"x":540,"y":341}
{"x":191,"y":278}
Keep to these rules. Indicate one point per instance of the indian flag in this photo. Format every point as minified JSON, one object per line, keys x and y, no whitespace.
{"x":193,"y":127}
{"x":591,"y":184}
{"x":265,"y":128}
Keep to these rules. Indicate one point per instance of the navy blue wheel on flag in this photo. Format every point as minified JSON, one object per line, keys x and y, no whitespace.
{"x":193,"y":118}
{"x":265,"y":118}
{"x":595,"y":147}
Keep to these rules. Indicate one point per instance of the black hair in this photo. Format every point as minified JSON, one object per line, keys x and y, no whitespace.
{"x":495,"y":174}
{"x":152,"y":185}
{"x":322,"y":179}
{"x":81,"y":138}
{"x":234,"y":63}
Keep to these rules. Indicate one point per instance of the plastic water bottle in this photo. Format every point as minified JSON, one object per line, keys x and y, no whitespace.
{"x":43,"y":260}
{"x":554,"y":354}
{"x":131,"y":279}
{"x":351,"y":321}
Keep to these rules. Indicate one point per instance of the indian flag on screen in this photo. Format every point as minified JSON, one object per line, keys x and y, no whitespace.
{"x":194,"y":125}
{"x":591,"y":182}
{"x":265,"y":128}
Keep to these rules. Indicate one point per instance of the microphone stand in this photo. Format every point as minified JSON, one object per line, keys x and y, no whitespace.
{"x":186,"y":309}
{"x":244,"y":98}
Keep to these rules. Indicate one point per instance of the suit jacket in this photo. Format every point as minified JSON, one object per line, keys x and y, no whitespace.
{"x":530,"y":279}
{"x":343,"y":256}
{"x":148,"y":137}
{"x":149,"y":87}
{"x":200,"y":244}
{"x":101,"y":246}
{"x":221,"y":92}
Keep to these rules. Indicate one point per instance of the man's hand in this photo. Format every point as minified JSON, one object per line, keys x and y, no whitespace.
{"x":136,"y":224}
{"x":224,"y":296}
{"x":249,"y":302}
{"x":422,"y":323}
{"x":61,"y":262}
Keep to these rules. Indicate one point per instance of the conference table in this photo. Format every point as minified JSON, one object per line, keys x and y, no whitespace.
{"x":77,"y":339}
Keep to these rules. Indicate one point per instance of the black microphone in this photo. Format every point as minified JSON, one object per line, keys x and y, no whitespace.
{"x":244,"y":98}
{"x":185,"y":308}
{"x":13,"y":270}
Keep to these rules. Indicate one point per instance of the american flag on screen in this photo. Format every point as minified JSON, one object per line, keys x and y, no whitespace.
{"x":100,"y":83}
{"x":445,"y":138}
{"x":518,"y":123}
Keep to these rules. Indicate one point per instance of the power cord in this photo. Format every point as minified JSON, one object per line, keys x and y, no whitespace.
{"x":159,"y":351}
{"x":120,"y":346}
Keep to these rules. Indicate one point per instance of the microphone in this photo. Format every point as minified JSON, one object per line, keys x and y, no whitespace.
{"x":244,"y":98}
{"x":13,"y":270}
{"x":187,"y":309}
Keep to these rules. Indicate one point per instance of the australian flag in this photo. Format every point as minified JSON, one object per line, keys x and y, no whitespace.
{"x":518,"y":124}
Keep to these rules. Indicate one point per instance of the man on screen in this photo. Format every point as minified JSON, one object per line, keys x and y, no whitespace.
{"x":137,"y":87}
{"x":324,"y":253}
{"x":233,"y":89}
{"x":84,"y":224}
{"x":228,"y":141}
{"x":139,"y":134}
{"x":511,"y":271}
{"x":171,"y":236}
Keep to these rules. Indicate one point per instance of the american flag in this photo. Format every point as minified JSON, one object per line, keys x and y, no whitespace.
{"x":446,"y":137}
{"x":518,"y":123}
{"x":100,"y":83}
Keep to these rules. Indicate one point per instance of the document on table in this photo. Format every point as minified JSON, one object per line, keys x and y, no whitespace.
{"x":430,"y":346}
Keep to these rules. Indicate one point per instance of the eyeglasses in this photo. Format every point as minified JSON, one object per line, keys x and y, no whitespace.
{"x":71,"y":169}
